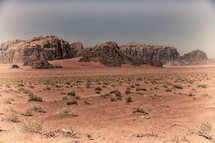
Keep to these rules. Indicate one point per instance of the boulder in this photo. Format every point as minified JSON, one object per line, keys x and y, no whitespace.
{"x":42,"y":64}
{"x":15,"y":67}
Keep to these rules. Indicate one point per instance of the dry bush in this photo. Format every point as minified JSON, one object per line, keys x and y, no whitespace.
{"x":205,"y":131}
{"x":31,"y":126}
{"x":37,"y":108}
{"x":12,"y":117}
{"x":140,"y":110}
{"x":34,"y":98}
{"x":68,"y":111}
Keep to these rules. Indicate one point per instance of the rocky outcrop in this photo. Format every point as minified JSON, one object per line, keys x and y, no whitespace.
{"x":109,"y":54}
{"x":155,"y":52}
{"x":166,"y":54}
{"x":77,"y":48}
{"x":195,"y":57}
{"x":53,"y":47}
{"x":45,"y":48}
{"x":42,"y":64}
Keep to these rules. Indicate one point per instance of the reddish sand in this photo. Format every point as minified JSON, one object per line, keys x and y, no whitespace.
{"x":172,"y":116}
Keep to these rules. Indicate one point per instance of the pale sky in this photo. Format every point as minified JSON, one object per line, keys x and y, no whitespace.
{"x":185,"y":24}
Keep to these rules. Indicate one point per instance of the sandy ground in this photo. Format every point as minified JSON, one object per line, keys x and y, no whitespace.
{"x":152,"y":105}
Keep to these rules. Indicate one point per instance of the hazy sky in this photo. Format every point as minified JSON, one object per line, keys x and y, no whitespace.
{"x":184,"y":24}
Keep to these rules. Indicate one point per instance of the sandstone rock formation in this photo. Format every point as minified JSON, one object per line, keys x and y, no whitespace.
{"x":77,"y":48}
{"x":43,"y":48}
{"x":109,"y":54}
{"x":155,"y":52}
{"x":166,"y":54}
{"x":195,"y":57}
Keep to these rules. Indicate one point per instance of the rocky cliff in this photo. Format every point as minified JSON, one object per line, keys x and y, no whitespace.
{"x":155,"y":52}
{"x":195,"y":57}
{"x":109,"y":54}
{"x":165,"y":54}
{"x":43,"y":48}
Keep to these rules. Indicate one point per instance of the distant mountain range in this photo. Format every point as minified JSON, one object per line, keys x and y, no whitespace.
{"x":39,"y":50}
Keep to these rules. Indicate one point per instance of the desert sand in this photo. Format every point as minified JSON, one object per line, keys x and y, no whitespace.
{"x":91,"y":103}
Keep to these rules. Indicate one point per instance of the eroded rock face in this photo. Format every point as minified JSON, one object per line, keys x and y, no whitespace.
{"x":165,"y":54}
{"x":195,"y":57}
{"x":11,"y":51}
{"x":45,"y":48}
{"x":109,"y":54}
{"x":77,"y":48}
{"x":155,"y":52}
{"x":54,"y":47}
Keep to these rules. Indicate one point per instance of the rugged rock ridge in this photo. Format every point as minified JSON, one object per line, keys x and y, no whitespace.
{"x":43,"y":48}
{"x":154,"y":52}
{"x":109,"y":54}
{"x":165,"y":54}
{"x":195,"y":57}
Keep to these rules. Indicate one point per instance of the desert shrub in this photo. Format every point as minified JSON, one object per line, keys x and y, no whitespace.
{"x":105,"y":95}
{"x":71,"y":93}
{"x":137,"y":84}
{"x":140,"y":110}
{"x":128,"y":91}
{"x":20,"y":85}
{"x":11,"y":117}
{"x":8,"y":100}
{"x":98,"y":89}
{"x":77,"y":97}
{"x":132,"y":86}
{"x":139,"y":79}
{"x":68,"y":83}
{"x":26,"y":91}
{"x":202,"y":85}
{"x":73,"y":102}
{"x":112,"y":99}
{"x":86,"y":102}
{"x":47,"y":88}
{"x":37,"y":108}
{"x":168,"y":90}
{"x":31,"y":126}
{"x":69,"y":111}
{"x":119,"y":98}
{"x":129,"y":99}
{"x":178,"y":86}
{"x":31,"y":86}
{"x":27,"y":112}
{"x":117,"y":92}
{"x":164,"y":86}
{"x":191,"y":94}
{"x":205,"y":95}
{"x":205,"y":131}
{"x":140,"y":88}
{"x":34,"y":98}
{"x":65,"y":97}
